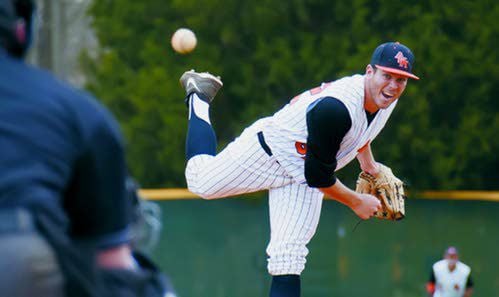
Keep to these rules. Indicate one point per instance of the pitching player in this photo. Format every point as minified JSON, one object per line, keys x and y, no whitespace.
{"x":295,"y":152}
{"x":450,"y":277}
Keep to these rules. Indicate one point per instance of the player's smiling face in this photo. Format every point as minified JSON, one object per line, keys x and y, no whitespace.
{"x":382,"y":88}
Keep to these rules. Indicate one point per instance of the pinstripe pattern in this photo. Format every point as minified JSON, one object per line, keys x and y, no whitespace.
{"x":294,"y":215}
{"x":242,"y":167}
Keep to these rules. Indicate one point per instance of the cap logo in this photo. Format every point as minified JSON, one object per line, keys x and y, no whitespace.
{"x":401,"y":60}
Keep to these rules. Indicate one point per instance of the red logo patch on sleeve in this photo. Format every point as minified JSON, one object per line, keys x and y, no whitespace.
{"x":301,"y":148}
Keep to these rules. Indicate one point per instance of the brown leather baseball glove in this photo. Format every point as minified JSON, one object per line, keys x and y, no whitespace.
{"x":388,"y":189}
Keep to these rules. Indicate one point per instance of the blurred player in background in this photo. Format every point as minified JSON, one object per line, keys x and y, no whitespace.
{"x":295,"y":152}
{"x":450,"y":277}
{"x":65,"y":208}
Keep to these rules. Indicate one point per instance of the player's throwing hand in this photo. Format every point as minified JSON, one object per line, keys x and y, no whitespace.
{"x":367,"y":206}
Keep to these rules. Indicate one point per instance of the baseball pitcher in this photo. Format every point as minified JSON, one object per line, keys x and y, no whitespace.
{"x":295,"y":152}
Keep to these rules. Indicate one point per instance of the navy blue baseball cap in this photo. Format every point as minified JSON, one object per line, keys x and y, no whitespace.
{"x":394,"y":57}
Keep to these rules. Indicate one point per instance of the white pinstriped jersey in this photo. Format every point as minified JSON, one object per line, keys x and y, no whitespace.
{"x":450,"y":284}
{"x":286,"y":131}
{"x":245,"y":167}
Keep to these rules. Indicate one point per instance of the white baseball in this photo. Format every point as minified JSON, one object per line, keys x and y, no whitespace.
{"x":183,"y":41}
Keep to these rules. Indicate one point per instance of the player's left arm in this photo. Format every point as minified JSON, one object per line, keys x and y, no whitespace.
{"x":468,"y":292}
{"x":379,"y":179}
{"x":366,"y":160}
{"x":469,"y":287}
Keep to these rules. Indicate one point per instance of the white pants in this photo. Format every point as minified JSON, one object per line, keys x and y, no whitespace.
{"x":244,"y":167}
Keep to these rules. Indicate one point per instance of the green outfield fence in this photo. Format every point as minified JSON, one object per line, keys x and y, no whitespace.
{"x":217,"y":248}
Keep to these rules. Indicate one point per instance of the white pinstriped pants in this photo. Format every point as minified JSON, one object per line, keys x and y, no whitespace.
{"x":244,"y":167}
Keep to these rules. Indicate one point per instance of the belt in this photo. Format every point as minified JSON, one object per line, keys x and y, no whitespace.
{"x":264,"y":145}
{"x":15,"y":220}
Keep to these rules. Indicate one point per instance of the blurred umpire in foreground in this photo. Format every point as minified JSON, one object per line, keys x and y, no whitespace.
{"x":65,"y":211}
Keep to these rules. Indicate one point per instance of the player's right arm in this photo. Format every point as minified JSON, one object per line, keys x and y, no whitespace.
{"x":364,"y":205}
{"x":469,"y":287}
{"x":430,"y":285}
{"x":328,"y":121}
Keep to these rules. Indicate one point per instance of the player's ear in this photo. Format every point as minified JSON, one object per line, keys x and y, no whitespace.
{"x":370,"y":69}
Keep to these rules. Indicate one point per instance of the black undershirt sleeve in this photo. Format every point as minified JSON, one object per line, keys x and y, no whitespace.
{"x":469,"y":282}
{"x":432,"y":277}
{"x":328,"y":121}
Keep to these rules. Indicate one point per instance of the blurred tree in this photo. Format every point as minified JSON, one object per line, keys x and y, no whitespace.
{"x":442,"y":134}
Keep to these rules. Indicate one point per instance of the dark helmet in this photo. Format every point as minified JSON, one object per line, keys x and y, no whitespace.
{"x":16,"y":22}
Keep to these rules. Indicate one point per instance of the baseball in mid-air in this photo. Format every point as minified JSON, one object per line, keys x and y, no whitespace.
{"x":184,"y":41}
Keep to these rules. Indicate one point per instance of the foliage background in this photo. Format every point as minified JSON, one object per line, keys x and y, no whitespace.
{"x":442,"y":135}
